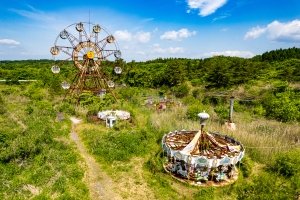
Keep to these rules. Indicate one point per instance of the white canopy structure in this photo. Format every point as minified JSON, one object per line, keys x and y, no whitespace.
{"x":120,"y":114}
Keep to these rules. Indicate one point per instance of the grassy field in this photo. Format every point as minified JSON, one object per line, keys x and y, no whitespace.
{"x":131,"y":154}
{"x":39,"y":161}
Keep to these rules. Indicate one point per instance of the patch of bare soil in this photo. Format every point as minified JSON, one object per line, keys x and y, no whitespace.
{"x":100,"y":184}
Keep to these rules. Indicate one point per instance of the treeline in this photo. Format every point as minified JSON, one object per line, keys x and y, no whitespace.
{"x":280,"y":54}
{"x":215,"y":72}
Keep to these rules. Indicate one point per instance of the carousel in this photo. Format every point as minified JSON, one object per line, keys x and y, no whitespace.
{"x":200,"y":157}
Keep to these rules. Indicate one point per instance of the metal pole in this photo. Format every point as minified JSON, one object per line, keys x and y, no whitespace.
{"x":231,"y":109}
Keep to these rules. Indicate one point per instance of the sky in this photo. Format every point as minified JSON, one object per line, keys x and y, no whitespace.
{"x":146,"y":30}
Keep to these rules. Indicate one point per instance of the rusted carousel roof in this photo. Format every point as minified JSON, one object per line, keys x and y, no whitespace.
{"x":197,"y":143}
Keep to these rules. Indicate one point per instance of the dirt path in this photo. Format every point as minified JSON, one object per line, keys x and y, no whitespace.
{"x":100,"y":184}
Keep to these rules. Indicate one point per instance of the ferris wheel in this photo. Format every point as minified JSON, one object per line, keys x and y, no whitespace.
{"x":88,"y":46}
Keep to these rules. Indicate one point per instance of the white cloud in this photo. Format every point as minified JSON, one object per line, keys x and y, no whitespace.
{"x":143,"y":37}
{"x":206,"y":7}
{"x":123,"y":35}
{"x":177,"y":35}
{"x":175,"y":50}
{"x":9,"y":42}
{"x":243,"y":54}
{"x":277,"y":31}
{"x":171,"y":50}
{"x":255,"y":33}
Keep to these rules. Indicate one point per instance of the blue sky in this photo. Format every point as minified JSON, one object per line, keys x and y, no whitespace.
{"x":158,"y":28}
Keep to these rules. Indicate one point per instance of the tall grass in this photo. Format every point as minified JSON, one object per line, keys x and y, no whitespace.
{"x":262,"y":138}
{"x":35,"y":160}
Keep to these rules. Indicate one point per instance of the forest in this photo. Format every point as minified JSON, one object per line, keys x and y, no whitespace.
{"x":39,"y":161}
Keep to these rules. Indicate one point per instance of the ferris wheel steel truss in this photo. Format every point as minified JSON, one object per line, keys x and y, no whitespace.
{"x":88,"y":52}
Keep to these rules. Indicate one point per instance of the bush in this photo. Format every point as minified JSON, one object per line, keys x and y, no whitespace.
{"x":181,"y":90}
{"x":196,"y":93}
{"x":67,"y":108}
{"x":287,"y":164}
{"x":259,"y":110}
{"x":283,"y":106}
{"x":128,"y":93}
{"x":196,"y":82}
{"x":214,"y":100}
{"x":265,"y":186}
{"x":2,"y":108}
{"x":193,"y":111}
{"x":222,"y":112}
{"x":45,"y":108}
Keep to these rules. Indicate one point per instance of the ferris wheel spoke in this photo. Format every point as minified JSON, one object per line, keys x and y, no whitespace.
{"x":66,"y":52}
{"x":107,"y":53}
{"x":83,"y":33}
{"x":65,"y":49}
{"x":95,"y":36}
{"x":102,"y":43}
{"x":72,"y":39}
{"x":82,"y":47}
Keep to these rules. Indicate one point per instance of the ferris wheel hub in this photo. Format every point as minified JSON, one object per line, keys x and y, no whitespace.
{"x":90,"y":55}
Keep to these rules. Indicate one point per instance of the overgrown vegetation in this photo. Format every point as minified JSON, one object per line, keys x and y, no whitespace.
{"x":38,"y":160}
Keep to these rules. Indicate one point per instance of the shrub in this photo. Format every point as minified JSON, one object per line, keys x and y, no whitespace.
{"x":283,"y":106}
{"x":196,"y":82}
{"x":287,"y":164}
{"x":2,"y":108}
{"x":128,"y":93}
{"x":196,"y":93}
{"x":193,"y":110}
{"x":214,"y":100}
{"x":259,"y":110}
{"x":222,"y":112}
{"x":181,"y":90}
{"x":67,"y":108}
{"x":267,"y":187}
